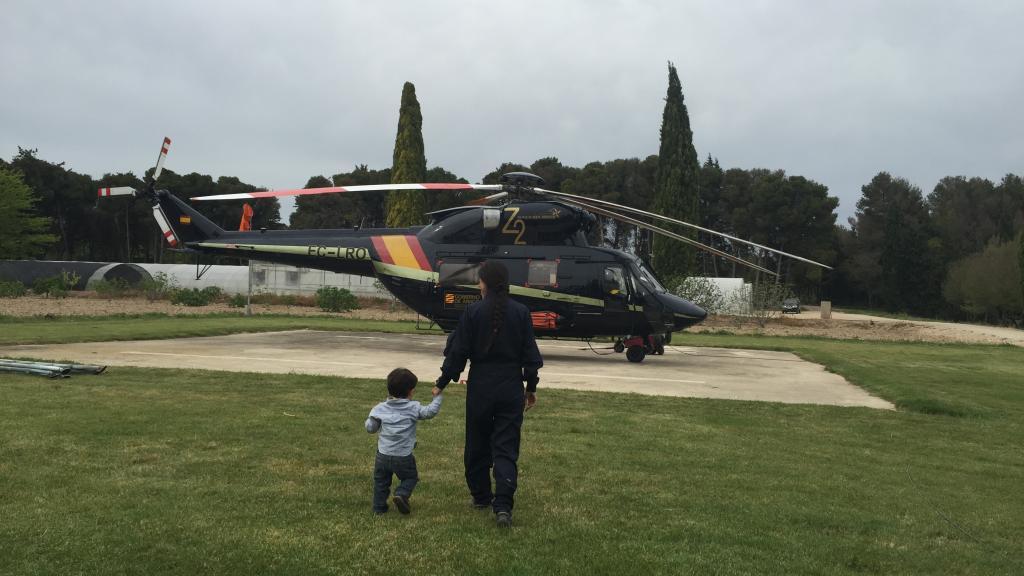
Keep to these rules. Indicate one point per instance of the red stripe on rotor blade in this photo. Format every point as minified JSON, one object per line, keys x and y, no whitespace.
{"x":417,"y":251}
{"x":298,"y":192}
{"x":382,"y":250}
{"x":452,"y":186}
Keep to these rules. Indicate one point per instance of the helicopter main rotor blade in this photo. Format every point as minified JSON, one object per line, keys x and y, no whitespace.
{"x":340,"y":189}
{"x":160,"y":159}
{"x":488,"y":199}
{"x":675,"y":221}
{"x":669,"y":234}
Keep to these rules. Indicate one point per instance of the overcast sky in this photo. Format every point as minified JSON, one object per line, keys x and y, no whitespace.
{"x":274,"y":92}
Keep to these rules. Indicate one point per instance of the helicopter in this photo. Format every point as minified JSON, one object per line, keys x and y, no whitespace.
{"x":573,"y":289}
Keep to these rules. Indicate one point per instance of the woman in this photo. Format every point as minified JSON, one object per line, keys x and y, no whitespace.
{"x":496,"y":336}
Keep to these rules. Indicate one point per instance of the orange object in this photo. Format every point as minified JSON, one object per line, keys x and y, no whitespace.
{"x":246,"y":223}
{"x":544,"y":320}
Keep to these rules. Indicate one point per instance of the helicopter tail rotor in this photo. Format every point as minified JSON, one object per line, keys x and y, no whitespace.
{"x":150,"y":181}
{"x":116,"y":191}
{"x":161,"y":158}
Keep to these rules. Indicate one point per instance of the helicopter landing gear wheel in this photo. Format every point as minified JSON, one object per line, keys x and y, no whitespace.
{"x":635,"y":353}
{"x":619,"y":347}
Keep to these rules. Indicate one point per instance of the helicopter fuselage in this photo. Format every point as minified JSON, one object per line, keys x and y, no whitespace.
{"x":572,"y":289}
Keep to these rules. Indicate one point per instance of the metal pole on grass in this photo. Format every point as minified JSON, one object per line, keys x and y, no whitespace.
{"x":248,"y":294}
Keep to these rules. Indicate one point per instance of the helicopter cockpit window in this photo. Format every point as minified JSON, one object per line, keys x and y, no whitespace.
{"x":542,"y":273}
{"x":459,"y":273}
{"x":614,"y":281}
{"x":647,"y":279}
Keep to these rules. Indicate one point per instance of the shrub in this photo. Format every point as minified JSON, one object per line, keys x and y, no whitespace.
{"x":213,"y":293}
{"x":158,"y":287}
{"x":56,"y":286}
{"x":115,"y":288}
{"x":701,"y":291}
{"x":237,"y":301}
{"x":190,"y":297}
{"x":334,"y":299}
{"x":766,"y":300}
{"x":987,"y":284}
{"x":12,"y":289}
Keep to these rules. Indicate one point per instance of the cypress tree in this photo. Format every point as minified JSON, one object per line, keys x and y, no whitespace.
{"x":676,"y":191}
{"x":409,"y":165}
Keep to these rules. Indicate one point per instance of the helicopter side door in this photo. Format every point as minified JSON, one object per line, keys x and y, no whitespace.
{"x":456,"y":288}
{"x":616,"y":294}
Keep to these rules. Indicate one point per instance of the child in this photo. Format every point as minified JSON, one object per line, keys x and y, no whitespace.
{"x":396,"y":420}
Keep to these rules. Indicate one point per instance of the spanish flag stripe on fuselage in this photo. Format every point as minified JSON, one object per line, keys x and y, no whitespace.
{"x":382,"y":250}
{"x":402,"y":253}
{"x":417,"y":251}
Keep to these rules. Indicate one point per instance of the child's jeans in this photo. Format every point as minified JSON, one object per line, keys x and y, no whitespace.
{"x":402,"y":466}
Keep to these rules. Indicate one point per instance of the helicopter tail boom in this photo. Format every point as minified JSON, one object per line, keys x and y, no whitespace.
{"x":180,"y":223}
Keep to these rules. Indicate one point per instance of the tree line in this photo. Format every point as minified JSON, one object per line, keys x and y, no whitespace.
{"x":72,"y":225}
{"x":956,"y":252}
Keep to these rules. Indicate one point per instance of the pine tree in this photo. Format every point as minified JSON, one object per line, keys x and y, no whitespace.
{"x":22,"y":233}
{"x":676,"y":192}
{"x":409,"y":165}
{"x":1022,"y":263}
{"x":896,"y":259}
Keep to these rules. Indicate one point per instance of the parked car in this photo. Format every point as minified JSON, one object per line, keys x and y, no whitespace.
{"x":791,"y":306}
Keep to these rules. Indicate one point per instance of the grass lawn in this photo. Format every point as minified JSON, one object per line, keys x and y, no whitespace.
{"x":35,"y":330}
{"x":184,"y":472}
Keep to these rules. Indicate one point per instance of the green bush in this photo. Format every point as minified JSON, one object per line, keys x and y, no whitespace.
{"x":56,"y":286}
{"x":190,"y":297}
{"x":333,"y":299}
{"x":214,"y":293}
{"x":115,"y":288}
{"x":701,"y":291}
{"x":237,"y":301}
{"x":12,"y":289}
{"x":158,"y":287}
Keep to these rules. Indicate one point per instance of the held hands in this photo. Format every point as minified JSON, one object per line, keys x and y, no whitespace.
{"x":436,"y":391}
{"x":531,"y":400}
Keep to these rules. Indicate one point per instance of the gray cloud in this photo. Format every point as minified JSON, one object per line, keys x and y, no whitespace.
{"x":274,"y":92}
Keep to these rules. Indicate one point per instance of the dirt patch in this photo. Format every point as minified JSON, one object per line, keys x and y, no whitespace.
{"x":846,"y":326}
{"x":87,"y":304}
{"x":864,"y":327}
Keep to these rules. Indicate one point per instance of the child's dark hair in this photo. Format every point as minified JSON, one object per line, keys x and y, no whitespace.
{"x":401,"y":381}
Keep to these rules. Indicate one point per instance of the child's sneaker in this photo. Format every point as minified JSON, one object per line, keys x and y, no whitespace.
{"x":402,"y":503}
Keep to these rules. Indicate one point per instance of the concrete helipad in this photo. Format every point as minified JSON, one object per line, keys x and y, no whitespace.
{"x":682,"y":371}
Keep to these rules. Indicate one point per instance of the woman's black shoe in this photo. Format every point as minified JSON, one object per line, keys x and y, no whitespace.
{"x":504,"y":519}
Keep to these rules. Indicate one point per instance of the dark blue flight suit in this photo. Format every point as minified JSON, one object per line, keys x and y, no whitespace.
{"x":494,"y":396}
